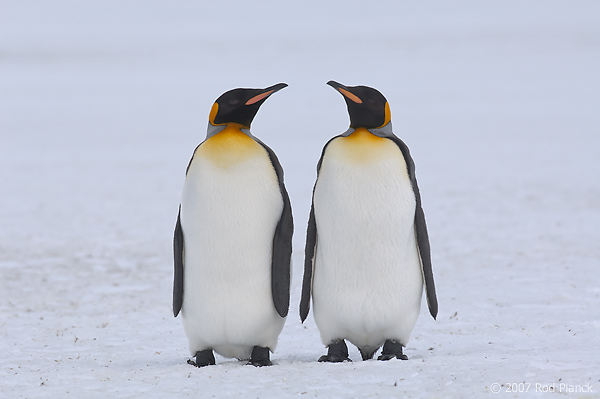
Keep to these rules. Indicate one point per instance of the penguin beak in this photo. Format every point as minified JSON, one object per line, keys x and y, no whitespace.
{"x":345,"y":91}
{"x":266,"y":93}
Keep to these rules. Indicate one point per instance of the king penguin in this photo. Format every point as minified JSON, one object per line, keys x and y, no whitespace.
{"x":233,"y":238}
{"x":367,"y":252}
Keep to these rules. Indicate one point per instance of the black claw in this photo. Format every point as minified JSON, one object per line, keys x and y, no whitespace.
{"x":203,"y":358}
{"x":391,"y":350}
{"x":336,"y":352}
{"x":396,"y":356}
{"x":260,"y":357}
{"x":333,"y":359}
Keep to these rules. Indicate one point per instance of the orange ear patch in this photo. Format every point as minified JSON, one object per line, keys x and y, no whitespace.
{"x":213,"y":113}
{"x":259,"y":97}
{"x":388,"y":114}
{"x":351,"y":96}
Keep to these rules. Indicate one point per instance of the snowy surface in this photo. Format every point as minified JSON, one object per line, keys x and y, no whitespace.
{"x":103,"y":102}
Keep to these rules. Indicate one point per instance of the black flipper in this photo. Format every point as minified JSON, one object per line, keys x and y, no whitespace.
{"x":178,"y":265}
{"x":178,"y":251}
{"x":309,"y":249}
{"x":421,"y":230}
{"x":309,"y":253}
{"x":282,"y":244}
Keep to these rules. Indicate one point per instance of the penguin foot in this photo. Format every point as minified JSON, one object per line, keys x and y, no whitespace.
{"x":391,"y":350}
{"x":367,"y":355}
{"x":260,"y":357}
{"x":203,"y":358}
{"x":336,"y":352}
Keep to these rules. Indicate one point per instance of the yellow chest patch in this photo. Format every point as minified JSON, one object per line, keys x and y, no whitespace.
{"x":363,"y":146}
{"x":229,"y":147}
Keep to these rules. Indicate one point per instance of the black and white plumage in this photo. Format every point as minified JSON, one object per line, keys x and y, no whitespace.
{"x":367,"y":254}
{"x":233,"y":238}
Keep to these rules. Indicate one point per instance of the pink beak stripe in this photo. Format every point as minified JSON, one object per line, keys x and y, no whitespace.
{"x":259,"y":97}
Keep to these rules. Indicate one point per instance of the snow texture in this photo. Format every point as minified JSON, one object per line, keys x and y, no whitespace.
{"x":103,"y":102}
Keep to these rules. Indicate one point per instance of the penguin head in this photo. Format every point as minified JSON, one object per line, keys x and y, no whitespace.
{"x":240,"y":105}
{"x":367,"y":107}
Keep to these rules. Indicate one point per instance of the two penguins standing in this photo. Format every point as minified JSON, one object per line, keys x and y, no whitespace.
{"x":367,"y":254}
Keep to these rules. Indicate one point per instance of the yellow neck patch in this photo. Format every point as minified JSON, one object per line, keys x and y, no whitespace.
{"x":229,"y":147}
{"x":362,"y":136}
{"x":363,"y":146}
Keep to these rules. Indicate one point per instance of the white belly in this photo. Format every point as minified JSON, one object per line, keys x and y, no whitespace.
{"x":228,"y":218}
{"x":368,"y":281}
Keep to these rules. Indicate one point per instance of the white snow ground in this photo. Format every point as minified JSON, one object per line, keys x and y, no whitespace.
{"x":103,"y":102}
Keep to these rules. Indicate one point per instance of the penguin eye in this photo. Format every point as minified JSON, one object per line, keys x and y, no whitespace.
{"x":234,"y":101}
